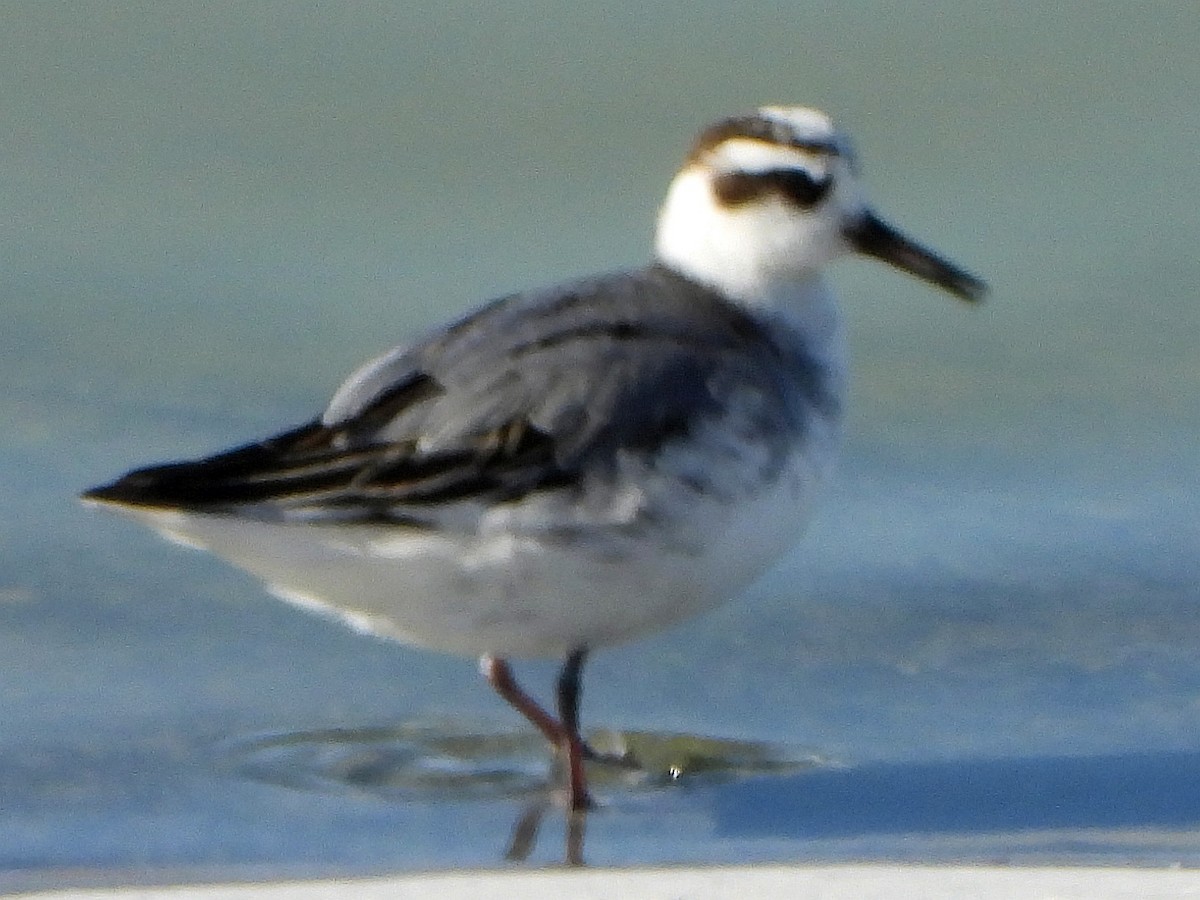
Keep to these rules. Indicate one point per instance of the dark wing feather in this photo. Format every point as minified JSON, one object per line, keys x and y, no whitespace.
{"x":513,"y":399}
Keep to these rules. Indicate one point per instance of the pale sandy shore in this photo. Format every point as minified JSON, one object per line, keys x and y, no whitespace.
{"x":862,"y":882}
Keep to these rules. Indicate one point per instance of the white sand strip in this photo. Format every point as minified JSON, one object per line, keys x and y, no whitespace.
{"x":861,"y":882}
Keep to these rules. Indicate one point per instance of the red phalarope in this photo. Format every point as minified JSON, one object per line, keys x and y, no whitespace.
{"x":570,"y":468}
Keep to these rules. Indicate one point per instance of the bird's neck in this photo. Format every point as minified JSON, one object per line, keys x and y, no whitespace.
{"x":752,"y":255}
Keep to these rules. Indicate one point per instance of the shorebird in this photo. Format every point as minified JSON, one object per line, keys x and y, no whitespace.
{"x":573,"y":467}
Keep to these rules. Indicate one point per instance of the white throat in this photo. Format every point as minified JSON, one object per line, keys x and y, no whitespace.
{"x":755,"y":254}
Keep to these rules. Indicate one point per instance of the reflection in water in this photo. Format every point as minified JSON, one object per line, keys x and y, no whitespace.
{"x":456,"y":762}
{"x":525,"y":832}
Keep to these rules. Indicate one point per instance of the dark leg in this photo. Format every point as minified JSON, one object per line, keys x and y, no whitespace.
{"x":571,"y":742}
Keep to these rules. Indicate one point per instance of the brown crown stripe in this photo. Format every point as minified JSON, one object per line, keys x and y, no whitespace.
{"x":757,"y":128}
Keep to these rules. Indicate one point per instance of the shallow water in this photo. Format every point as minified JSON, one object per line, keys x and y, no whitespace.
{"x":989,"y":641}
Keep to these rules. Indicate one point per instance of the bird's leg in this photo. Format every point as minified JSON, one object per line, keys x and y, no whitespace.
{"x":570,"y":741}
{"x":563,"y":733}
{"x":500,"y":677}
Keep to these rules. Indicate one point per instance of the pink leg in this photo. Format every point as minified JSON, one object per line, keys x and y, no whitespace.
{"x":500,"y":677}
{"x":563,"y":736}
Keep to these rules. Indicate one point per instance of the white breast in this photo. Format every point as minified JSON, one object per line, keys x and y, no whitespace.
{"x":533,"y":580}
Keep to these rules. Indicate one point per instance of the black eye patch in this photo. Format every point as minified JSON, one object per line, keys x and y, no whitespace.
{"x":794,"y":185}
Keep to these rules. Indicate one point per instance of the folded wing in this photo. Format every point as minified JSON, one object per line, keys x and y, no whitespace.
{"x":521,"y":396}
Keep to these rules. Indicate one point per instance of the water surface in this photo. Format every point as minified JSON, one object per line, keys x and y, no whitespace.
{"x":213,"y":213}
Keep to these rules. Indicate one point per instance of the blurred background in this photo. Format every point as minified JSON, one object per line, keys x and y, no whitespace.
{"x":211,"y":213}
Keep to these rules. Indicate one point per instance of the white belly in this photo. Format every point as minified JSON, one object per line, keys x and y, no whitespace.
{"x":512,"y":587}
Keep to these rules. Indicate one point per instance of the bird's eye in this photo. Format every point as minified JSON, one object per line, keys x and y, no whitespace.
{"x":800,"y":187}
{"x":796,"y":186}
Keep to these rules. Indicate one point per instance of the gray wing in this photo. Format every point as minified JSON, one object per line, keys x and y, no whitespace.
{"x":521,"y":396}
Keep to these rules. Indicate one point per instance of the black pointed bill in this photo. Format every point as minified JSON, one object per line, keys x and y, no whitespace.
{"x":871,"y":236}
